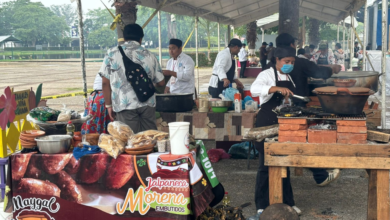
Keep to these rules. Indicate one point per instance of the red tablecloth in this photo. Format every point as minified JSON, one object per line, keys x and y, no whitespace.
{"x":154,"y":186}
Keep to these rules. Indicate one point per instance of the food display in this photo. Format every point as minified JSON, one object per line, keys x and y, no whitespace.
{"x":119,"y":130}
{"x":40,"y":187}
{"x":119,"y":172}
{"x":20,"y":167}
{"x":110,"y":145}
{"x":92,"y":168}
{"x":44,"y":114}
{"x":53,"y":165}
{"x":146,"y":139}
{"x":69,"y":189}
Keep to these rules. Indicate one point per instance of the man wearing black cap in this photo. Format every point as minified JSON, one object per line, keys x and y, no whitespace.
{"x":181,"y":69}
{"x":270,"y":51}
{"x":121,"y":99}
{"x":263,"y":55}
{"x":224,"y":68}
{"x":303,"y":69}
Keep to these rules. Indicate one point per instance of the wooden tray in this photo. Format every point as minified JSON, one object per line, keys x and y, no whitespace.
{"x":140,"y":148}
{"x":140,"y":152}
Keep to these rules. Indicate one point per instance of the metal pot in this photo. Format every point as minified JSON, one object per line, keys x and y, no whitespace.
{"x":54,"y":144}
{"x":366,"y":79}
{"x":174,"y":102}
{"x":343,"y":102}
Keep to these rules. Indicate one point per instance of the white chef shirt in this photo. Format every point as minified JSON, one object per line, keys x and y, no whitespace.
{"x":222,"y":65}
{"x":184,"y":68}
{"x":97,"y":84}
{"x":242,"y":55}
{"x":264,"y":81}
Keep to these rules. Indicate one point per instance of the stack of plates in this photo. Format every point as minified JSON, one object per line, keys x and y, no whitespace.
{"x":139,"y":150}
{"x":27,"y":138}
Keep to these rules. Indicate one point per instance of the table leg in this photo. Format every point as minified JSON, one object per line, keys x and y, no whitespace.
{"x":382,"y":194}
{"x":275,"y":185}
{"x":371,"y":200}
{"x":378,"y":195}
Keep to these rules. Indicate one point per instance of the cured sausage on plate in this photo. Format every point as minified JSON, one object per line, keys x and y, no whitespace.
{"x":119,"y":172}
{"x":38,"y":187}
{"x":92,"y":167}
{"x":73,"y":166}
{"x":53,"y":164}
{"x":69,"y":189}
{"x":19,"y":163}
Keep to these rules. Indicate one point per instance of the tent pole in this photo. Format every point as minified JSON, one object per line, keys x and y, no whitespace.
{"x":219,"y":39}
{"x":82,"y":56}
{"x":262,"y":35}
{"x":196,"y":48}
{"x":384,"y":52}
{"x":351,"y":56}
{"x":159,"y":38}
{"x":375,"y":23}
{"x":338,"y":32}
{"x":344,"y":34}
{"x":365,"y":35}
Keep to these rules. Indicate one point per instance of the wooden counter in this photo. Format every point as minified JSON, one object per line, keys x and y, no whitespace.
{"x":373,"y":157}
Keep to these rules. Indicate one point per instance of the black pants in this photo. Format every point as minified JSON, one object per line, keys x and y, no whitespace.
{"x":263,"y":64}
{"x":262,"y":183}
{"x":319,"y":174}
{"x":243,"y":68}
{"x":214,"y":92}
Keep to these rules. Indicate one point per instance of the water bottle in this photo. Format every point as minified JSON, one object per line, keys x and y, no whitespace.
{"x":226,"y":199}
{"x":70,"y":128}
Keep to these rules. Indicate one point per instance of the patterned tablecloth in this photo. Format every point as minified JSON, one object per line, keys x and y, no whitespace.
{"x":211,"y":126}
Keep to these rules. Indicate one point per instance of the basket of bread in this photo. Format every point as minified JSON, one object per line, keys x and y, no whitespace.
{"x":144,"y":142}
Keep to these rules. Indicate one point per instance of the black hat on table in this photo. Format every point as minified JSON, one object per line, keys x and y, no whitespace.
{"x":176,"y":42}
{"x":235,"y":42}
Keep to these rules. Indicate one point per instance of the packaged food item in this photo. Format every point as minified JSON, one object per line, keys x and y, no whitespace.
{"x":146,"y":139}
{"x":44,"y":114}
{"x":64,"y":116}
{"x":119,"y":130}
{"x":111,"y":145}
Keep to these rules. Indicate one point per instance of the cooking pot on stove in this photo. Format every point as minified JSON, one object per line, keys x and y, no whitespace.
{"x":174,"y":102}
{"x":343,"y":101}
{"x":366,"y":79}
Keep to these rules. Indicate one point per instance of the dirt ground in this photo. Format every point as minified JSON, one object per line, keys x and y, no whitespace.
{"x":345,"y":199}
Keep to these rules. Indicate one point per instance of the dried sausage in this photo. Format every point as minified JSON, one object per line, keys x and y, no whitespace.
{"x":19,"y":163}
{"x":53,"y":164}
{"x":69,"y":190}
{"x":38,"y":187}
{"x":34,"y":169}
{"x":119,"y":172}
{"x":73,"y":166}
{"x":92,"y":167}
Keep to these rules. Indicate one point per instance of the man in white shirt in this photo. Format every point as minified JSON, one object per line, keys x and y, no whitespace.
{"x":223,"y":70}
{"x":243,"y":57}
{"x":181,"y":69}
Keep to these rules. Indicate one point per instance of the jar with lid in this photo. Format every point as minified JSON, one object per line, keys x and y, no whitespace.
{"x":204,"y":102}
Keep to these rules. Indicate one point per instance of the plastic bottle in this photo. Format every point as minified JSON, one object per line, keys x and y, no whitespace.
{"x":70,"y":128}
{"x":226,"y":199}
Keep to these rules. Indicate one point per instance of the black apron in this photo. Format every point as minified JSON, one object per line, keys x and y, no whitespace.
{"x":214,"y":92}
{"x":323,"y":60}
{"x":267,"y":117}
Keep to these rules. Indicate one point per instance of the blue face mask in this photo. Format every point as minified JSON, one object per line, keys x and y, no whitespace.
{"x":287,"y":68}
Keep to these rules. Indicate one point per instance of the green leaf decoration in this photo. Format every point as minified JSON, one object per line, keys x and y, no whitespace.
{"x":38,"y":94}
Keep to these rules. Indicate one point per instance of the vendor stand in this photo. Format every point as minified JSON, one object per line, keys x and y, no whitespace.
{"x":251,"y":71}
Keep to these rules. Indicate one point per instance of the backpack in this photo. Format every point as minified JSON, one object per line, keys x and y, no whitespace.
{"x":138,"y":78}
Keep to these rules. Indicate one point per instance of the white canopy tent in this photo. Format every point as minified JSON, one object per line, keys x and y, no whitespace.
{"x":237,"y":13}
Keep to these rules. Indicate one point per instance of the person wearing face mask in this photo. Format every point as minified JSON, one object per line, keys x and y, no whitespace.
{"x":224,"y":68}
{"x":273,"y":86}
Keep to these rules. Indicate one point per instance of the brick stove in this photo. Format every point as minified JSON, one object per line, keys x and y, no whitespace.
{"x":346,"y":129}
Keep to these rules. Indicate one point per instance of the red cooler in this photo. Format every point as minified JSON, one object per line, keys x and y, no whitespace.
{"x":247,"y":92}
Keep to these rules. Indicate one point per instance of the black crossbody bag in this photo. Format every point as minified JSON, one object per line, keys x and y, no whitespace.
{"x":138,"y":78}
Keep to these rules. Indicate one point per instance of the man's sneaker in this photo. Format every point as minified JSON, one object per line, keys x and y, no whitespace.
{"x":297,"y":210}
{"x":257,"y":216}
{"x":332,"y":176}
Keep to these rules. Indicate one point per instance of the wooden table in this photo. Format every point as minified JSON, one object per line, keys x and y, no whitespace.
{"x":375,"y":158}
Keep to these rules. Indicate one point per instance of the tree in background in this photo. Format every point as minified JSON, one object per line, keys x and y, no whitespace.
{"x":289,"y":17}
{"x":209,"y":27}
{"x":33,"y":23}
{"x":128,"y":11}
{"x":251,"y":35}
{"x":67,"y":11}
{"x":314,"y":31}
{"x":104,"y":37}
